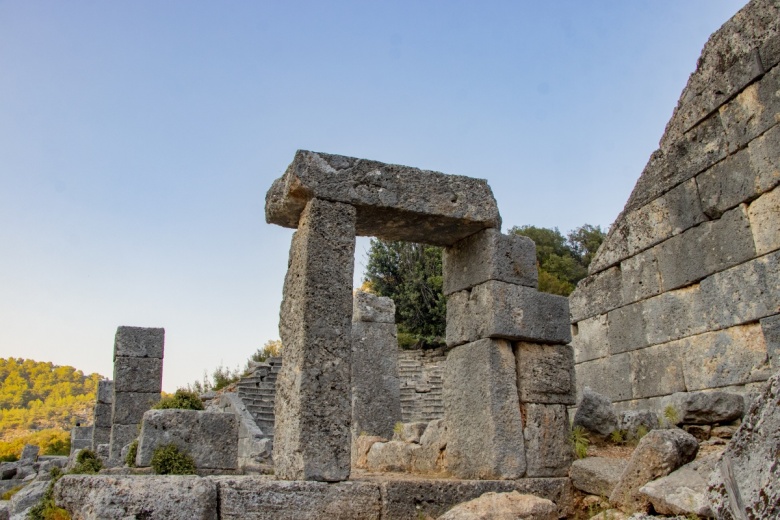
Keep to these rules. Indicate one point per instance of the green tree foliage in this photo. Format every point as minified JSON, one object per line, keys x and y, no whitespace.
{"x":562,"y":261}
{"x":52,"y":441}
{"x":182,"y":400}
{"x":169,"y":460}
{"x":37,"y":395}
{"x":410,"y":274}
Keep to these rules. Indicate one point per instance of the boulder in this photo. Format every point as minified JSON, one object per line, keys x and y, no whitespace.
{"x":390,"y":456}
{"x":705,"y":407}
{"x":596,"y":414}
{"x":659,"y":453}
{"x":683,"y":491}
{"x":361,"y":446}
{"x":748,"y":471}
{"x":410,"y":432}
{"x":633,"y":420}
{"x":503,"y":506}
{"x":596,"y":475}
{"x":435,"y":434}
{"x":27,"y":497}
{"x":29,"y":453}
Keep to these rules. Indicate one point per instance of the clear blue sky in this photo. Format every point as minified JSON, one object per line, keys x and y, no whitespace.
{"x":138,"y":139}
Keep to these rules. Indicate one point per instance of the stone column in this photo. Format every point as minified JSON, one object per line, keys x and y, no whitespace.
{"x":138,"y":358}
{"x":313,"y":392}
{"x":101,"y":431}
{"x":376,"y":391}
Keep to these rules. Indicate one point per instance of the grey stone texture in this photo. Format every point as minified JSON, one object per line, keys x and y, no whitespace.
{"x":631,"y":421}
{"x":361,"y":447}
{"x":313,"y":411}
{"x":211,"y":439}
{"x":410,"y":432}
{"x":589,"y":339}
{"x":421,"y":373}
{"x":140,"y":342}
{"x":484,"y":427}
{"x":545,"y":373}
{"x":21,"y":503}
{"x":503,"y":505}
{"x":80,"y":438}
{"x":658,"y":453}
{"x":683,"y":491}
{"x":435,"y":434}
{"x":771,"y":328}
{"x":548,"y":451}
{"x":376,"y":390}
{"x":606,"y":376}
{"x":598,"y":294}
{"x":489,"y":255}
{"x":749,"y":467}
{"x":129,"y":407}
{"x":501,"y":310}
{"x":392,"y":202}
{"x":29,"y":453}
{"x":657,"y":370}
{"x":105,"y":392}
{"x":121,"y":436}
{"x":596,"y":414}
{"x":393,"y":456}
{"x":596,"y":475}
{"x":764,"y":214}
{"x":174,"y":497}
{"x":706,"y":407}
{"x":140,"y":375}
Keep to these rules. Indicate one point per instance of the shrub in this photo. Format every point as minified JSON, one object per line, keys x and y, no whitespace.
{"x":580,"y":441}
{"x":182,"y":399}
{"x":11,"y":492}
{"x":87,"y":463}
{"x":168,"y":460}
{"x":618,"y":436}
{"x":671,"y":415}
{"x":46,"y":509}
{"x":131,"y":453}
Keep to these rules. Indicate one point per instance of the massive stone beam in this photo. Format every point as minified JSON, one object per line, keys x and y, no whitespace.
{"x":392,"y":202}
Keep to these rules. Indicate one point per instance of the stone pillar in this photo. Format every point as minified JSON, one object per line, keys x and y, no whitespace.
{"x":138,"y":358}
{"x":101,"y":430}
{"x":313,"y":392}
{"x":499,"y":323}
{"x":80,"y":438}
{"x":376,"y":391}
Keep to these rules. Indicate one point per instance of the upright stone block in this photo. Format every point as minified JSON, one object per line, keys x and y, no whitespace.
{"x":129,"y":407}
{"x":80,"y":438}
{"x":376,"y":390}
{"x":501,"y":310}
{"x":105,"y":392}
{"x":489,"y":255}
{"x":545,"y":373}
{"x":133,"y":374}
{"x":482,"y":411}
{"x":313,"y":391}
{"x":139,"y":342}
{"x":121,"y":436}
{"x":548,"y":451}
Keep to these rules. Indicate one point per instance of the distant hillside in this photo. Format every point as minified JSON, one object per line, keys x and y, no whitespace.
{"x":37,"y":395}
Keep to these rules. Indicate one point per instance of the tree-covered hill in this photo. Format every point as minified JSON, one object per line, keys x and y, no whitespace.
{"x":37,"y":395}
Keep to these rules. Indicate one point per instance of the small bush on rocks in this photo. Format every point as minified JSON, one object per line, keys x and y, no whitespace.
{"x":580,"y":441}
{"x":168,"y":460}
{"x":46,"y":509}
{"x":182,"y":399}
{"x":131,"y":453}
{"x":87,"y":462}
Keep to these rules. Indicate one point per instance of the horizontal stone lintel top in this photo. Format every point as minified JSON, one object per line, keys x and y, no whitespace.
{"x":139,"y":342}
{"x":393,"y":202}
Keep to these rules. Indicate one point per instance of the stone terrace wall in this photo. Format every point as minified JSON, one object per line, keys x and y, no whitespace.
{"x":421,"y":373}
{"x":683,"y":295}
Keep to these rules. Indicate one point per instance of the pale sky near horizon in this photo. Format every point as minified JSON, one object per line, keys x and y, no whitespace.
{"x":138,"y":139}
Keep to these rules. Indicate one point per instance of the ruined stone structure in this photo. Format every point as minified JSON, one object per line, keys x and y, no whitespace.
{"x":421,"y":374}
{"x":138,"y":359}
{"x":509,"y":376}
{"x":683,"y":294}
{"x":258,"y":393}
{"x":101,"y":430}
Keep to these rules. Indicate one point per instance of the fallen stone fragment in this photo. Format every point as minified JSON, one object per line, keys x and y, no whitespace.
{"x":659,"y":453}
{"x":410,"y":432}
{"x":596,"y":475}
{"x":361,"y":446}
{"x":435,"y":434}
{"x":503,"y":506}
{"x":596,"y":413}
{"x":683,"y":491}
{"x":706,"y":407}
{"x":21,"y":502}
{"x":633,"y":421}
{"x":390,"y":456}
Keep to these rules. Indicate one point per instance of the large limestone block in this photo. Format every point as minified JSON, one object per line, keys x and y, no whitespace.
{"x":129,"y":407}
{"x":589,"y":339}
{"x":121,"y":436}
{"x":659,"y":453}
{"x":545,"y":373}
{"x":211,"y":439}
{"x":391,"y":456}
{"x":749,"y":465}
{"x":640,"y":277}
{"x":770,"y":326}
{"x":688,"y":307}
{"x":683,"y":491}
{"x":103,"y":415}
{"x":501,"y":310}
{"x":503,"y":506}
{"x":372,"y":308}
{"x":597,"y":294}
{"x":548,"y":451}
{"x":137,"y":374}
{"x":376,"y":390}
{"x":753,"y":111}
{"x":657,"y":370}
{"x":765,"y":221}
{"x":139,"y":342}
{"x":105,"y":392}
{"x":259,"y":498}
{"x":489,"y":255}
{"x":601,"y":375}
{"x":596,"y":475}
{"x":313,"y":411}
{"x":596,"y":414}
{"x":706,"y":407}
{"x":484,"y":427}
{"x":393,"y":202}
{"x":103,"y":497}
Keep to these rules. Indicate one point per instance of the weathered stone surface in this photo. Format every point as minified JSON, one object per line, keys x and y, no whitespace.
{"x":391,"y":456}
{"x":29,"y":453}
{"x":765,"y":221}
{"x":429,"y":460}
{"x":545,"y":373}
{"x":121,"y":436}
{"x":489,"y":255}
{"x":80,"y":438}
{"x":771,"y":328}
{"x":129,"y":407}
{"x":501,"y":310}
{"x":105,"y":392}
{"x":376,"y":390}
{"x":313,"y":403}
{"x":597,"y":294}
{"x":93,"y":497}
{"x":683,"y":491}
{"x":753,"y":111}
{"x":211,"y":439}
{"x":410,"y":432}
{"x":727,"y":357}
{"x":393,"y":202}
{"x":640,"y":277}
{"x":418,"y":498}
{"x":688,"y":308}
{"x":601,"y":375}
{"x":707,"y":248}
{"x":548,"y":451}
{"x":657,"y":370}
{"x":596,"y":414}
{"x":5,"y":511}
{"x":596,"y":475}
{"x":633,"y":420}
{"x":659,"y":453}
{"x":626,"y":328}
{"x":435,"y":434}
{"x":484,"y":428}
{"x":589,"y":339}
{"x":139,"y":342}
{"x":361,"y":447}
{"x":749,"y":465}
{"x":103,"y":415}
{"x":372,"y":308}
{"x":701,"y":432}
{"x":23,"y":500}
{"x":706,"y":407}
{"x":503,"y":506}
{"x":259,"y":498}
{"x":142,"y":375}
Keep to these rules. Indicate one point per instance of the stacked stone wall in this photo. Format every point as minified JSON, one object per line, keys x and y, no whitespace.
{"x":684,"y":294}
{"x":421,"y":375}
{"x":101,"y":431}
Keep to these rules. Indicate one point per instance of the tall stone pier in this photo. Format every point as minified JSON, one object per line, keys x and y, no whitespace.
{"x":138,"y":359}
{"x":101,"y":432}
